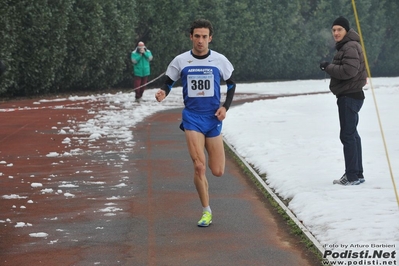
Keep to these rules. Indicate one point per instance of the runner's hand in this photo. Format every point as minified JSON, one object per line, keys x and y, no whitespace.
{"x":221,"y":113}
{"x":160,"y":95}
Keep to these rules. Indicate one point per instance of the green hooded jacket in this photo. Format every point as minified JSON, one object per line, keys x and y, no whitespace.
{"x":141,"y":62}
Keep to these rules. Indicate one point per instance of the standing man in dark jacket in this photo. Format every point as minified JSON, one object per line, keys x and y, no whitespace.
{"x":348,"y":77}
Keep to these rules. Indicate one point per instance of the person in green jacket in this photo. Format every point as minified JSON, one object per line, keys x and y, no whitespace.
{"x":141,"y":58}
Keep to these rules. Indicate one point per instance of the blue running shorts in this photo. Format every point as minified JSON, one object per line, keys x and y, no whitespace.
{"x":207,"y":124}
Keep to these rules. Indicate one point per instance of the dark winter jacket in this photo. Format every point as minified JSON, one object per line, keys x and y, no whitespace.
{"x":347,"y":71}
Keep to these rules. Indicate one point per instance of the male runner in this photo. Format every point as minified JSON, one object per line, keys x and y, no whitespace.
{"x":201,"y":71}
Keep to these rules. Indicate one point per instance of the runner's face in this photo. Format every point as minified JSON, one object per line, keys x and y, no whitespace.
{"x":201,"y":40}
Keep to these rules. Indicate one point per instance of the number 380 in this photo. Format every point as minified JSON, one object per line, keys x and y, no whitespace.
{"x":200,"y":84}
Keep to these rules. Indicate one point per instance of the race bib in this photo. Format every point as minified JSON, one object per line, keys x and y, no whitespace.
{"x":200,"y":86}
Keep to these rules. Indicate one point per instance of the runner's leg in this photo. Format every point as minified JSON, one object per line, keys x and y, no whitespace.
{"x":216,"y":160}
{"x":195,"y":144}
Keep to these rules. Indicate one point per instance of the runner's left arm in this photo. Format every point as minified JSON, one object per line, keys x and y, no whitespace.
{"x":167,"y":86}
{"x":231,"y":88}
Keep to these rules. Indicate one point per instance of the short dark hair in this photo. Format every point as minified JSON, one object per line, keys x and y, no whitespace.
{"x":201,"y":23}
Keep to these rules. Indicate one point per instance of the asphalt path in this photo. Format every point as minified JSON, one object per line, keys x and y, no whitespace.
{"x":104,"y":206}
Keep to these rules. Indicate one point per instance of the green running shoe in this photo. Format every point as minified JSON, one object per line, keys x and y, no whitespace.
{"x":206,"y":219}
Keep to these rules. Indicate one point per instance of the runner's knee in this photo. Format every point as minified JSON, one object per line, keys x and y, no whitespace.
{"x":199,"y":167}
{"x":217,"y":172}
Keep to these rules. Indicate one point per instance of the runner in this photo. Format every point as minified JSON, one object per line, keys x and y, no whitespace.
{"x":201,"y":71}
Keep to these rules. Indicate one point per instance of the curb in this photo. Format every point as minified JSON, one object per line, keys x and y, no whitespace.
{"x":292,"y":216}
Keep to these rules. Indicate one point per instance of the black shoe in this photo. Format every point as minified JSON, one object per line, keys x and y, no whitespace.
{"x":345,"y":182}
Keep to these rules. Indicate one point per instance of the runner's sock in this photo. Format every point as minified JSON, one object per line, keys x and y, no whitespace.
{"x":208,"y":209}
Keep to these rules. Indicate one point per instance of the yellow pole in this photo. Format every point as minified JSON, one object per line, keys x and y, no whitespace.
{"x":375,"y":101}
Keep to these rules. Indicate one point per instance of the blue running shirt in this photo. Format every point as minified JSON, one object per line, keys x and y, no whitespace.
{"x":200,"y":79}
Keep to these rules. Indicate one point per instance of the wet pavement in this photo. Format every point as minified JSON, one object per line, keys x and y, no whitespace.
{"x":68,"y":200}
